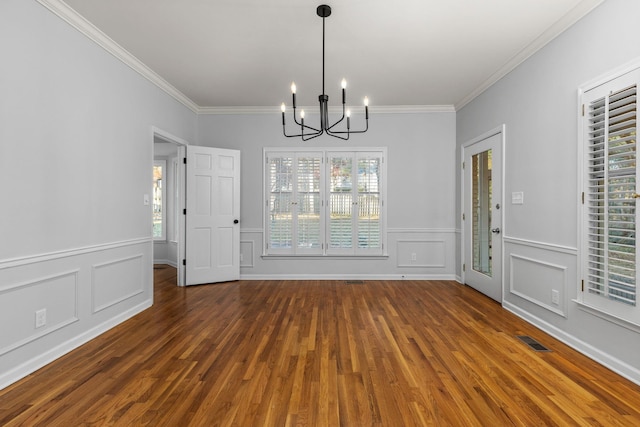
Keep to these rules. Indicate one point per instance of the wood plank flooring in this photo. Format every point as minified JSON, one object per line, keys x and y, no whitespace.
{"x":321,"y":353}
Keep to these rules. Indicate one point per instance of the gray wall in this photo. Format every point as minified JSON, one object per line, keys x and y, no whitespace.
{"x":420,"y":182}
{"x":75,"y":162}
{"x":538,"y":104}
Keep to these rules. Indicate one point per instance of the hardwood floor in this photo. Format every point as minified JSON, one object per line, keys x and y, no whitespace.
{"x":321,"y":353}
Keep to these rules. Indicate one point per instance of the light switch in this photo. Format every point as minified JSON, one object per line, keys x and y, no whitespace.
{"x":517,"y":198}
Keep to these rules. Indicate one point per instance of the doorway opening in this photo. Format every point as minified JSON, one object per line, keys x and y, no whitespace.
{"x":169,"y":199}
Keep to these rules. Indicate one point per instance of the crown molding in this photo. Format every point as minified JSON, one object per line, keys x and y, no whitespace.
{"x":560,"y":26}
{"x":73,"y":18}
{"x":379,"y":109}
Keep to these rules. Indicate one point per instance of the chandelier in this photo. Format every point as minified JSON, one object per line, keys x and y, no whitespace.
{"x":308,"y":132}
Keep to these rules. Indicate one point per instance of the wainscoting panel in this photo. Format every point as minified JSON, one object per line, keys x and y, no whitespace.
{"x":537,"y":281}
{"x":55,"y":297}
{"x":544,"y":275}
{"x":116,"y":281}
{"x":78,"y":294}
{"x":410,"y":253}
{"x":246,"y":253}
{"x":421,"y":253}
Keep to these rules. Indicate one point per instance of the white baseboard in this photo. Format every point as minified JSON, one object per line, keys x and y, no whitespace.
{"x":49,"y":356}
{"x":173,"y":263}
{"x":347,"y":277}
{"x":624,"y":369}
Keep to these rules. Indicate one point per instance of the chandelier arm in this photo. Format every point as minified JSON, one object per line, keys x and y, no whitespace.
{"x":303,"y":125}
{"x":352,"y":131}
{"x":313,"y":135}
{"x":336,"y":135}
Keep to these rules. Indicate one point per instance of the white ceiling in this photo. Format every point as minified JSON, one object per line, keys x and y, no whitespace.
{"x":239,"y":53}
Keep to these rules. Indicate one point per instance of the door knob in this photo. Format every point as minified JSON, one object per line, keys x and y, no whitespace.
{"x":495,"y":230}
{"x":235,"y":221}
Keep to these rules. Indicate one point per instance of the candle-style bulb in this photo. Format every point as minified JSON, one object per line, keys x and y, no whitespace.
{"x":283,"y":108}
{"x":366,"y":101}
{"x":302,"y":114}
{"x":293,"y":87}
{"x":348,"y":113}
{"x":344,"y":84}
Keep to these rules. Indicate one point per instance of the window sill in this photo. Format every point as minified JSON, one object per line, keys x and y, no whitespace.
{"x":607,"y":316}
{"x":329,"y":257}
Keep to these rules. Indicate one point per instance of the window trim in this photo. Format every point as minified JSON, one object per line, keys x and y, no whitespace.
{"x":616,"y":312}
{"x":324,"y":252}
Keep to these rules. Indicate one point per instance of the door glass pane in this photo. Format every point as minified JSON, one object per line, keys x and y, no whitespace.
{"x":481,"y":212}
{"x":340,"y":203}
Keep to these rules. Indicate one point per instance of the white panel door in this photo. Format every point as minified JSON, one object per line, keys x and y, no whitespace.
{"x":482,"y":204}
{"x":213,"y":214}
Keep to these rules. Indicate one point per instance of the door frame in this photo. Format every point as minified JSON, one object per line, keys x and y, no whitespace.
{"x":181,"y":144}
{"x":501,"y":131}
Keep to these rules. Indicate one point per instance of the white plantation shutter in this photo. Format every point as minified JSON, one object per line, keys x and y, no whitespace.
{"x":307,"y":220}
{"x":294,"y":202}
{"x":610,"y":226}
{"x":320,"y":203}
{"x":355,"y":203}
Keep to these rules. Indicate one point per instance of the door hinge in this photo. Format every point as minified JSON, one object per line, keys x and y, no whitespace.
{"x":184,"y":262}
{"x":184,"y":212}
{"x":583,"y":197}
{"x":184,"y":160}
{"x":463,"y":217}
{"x":582,"y":110}
{"x":582,"y":285}
{"x":464,"y":267}
{"x":462,"y":165}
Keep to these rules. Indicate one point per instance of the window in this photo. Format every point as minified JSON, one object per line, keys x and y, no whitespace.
{"x":159,"y":200}
{"x":324,"y":202}
{"x":610,"y":197}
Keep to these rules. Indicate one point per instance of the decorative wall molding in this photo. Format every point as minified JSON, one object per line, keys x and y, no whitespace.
{"x":123,"y":274}
{"x":30,"y":259}
{"x":46,"y":330}
{"x":373,"y":109}
{"x":78,"y":22}
{"x":574,"y":15}
{"x":428,"y":253}
{"x":247,"y":248}
{"x":421,"y":230}
{"x":563,"y":285}
{"x":541,"y":245}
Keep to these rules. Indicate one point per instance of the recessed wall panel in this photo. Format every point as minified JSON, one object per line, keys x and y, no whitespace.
{"x":421,"y":253}
{"x":116,"y":281}
{"x":535,"y":280}
{"x":57,"y":295}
